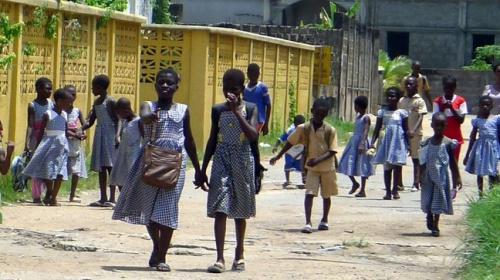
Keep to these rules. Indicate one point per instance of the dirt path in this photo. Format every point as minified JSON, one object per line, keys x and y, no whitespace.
{"x":368,"y":238}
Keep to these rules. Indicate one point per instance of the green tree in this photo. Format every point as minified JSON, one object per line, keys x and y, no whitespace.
{"x":161,"y":12}
{"x":393,"y":71}
{"x":8,"y":32}
{"x":117,"y":5}
{"x":484,"y":58}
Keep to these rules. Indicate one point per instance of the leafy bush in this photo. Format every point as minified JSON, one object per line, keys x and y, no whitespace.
{"x":484,"y":58}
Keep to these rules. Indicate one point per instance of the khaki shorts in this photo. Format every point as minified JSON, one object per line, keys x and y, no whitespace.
{"x":327,"y":181}
{"x":415,"y":146}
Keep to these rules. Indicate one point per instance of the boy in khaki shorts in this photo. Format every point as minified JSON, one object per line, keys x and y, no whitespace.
{"x":320,"y":141}
{"x":416,"y":108}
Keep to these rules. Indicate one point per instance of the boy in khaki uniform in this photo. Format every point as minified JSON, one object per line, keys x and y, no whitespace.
{"x":320,"y":141}
{"x":416,"y":108}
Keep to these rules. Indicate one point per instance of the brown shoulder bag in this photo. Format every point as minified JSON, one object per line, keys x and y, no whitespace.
{"x":162,"y":166}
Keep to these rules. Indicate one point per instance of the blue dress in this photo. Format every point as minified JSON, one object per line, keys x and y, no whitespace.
{"x":127,"y":152}
{"x":103,"y":148}
{"x":51,"y":156}
{"x":392,"y":148}
{"x":351,"y":163}
{"x":484,"y":155}
{"x":232,"y":184}
{"x":435,"y":191}
{"x":140,"y":203}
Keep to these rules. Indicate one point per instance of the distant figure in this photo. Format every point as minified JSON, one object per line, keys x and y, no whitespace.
{"x":77,"y":167}
{"x":354,"y":160}
{"x":423,"y":84}
{"x":49,"y":163}
{"x":36,"y":110}
{"x":105,"y":138}
{"x":293,"y":158}
{"x":483,"y":152}
{"x":416,"y":109}
{"x":5,"y":156}
{"x":436,"y":156}
{"x":130,"y":143}
{"x":455,"y":109}
{"x":493,"y":90}
{"x":393,"y":147}
{"x":257,"y":92}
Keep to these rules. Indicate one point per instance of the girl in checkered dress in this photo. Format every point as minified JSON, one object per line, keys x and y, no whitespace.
{"x":156,"y":208}
{"x":36,"y":110}
{"x":49,"y":162}
{"x":232,"y":188}
{"x":76,"y":157}
{"x":436,"y":156}
{"x":105,"y":136}
{"x":483,"y":152}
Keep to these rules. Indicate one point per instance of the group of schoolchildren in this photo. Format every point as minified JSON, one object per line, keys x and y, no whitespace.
{"x":54,"y":139}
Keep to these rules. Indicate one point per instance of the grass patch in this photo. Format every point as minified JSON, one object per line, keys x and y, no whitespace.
{"x":361,"y":243}
{"x":480,"y":251}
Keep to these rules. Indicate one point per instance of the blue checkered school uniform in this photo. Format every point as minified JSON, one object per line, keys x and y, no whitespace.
{"x":351,"y":163}
{"x":51,"y":156}
{"x":393,"y":148}
{"x":140,"y":203}
{"x":103,"y":148}
{"x":484,"y":155}
{"x":232,"y":187}
{"x":39,"y":110}
{"x":76,"y":156}
{"x":435,"y":191}
{"x":127,"y":152}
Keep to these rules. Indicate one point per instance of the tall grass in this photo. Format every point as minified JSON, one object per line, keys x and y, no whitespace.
{"x":480,"y":251}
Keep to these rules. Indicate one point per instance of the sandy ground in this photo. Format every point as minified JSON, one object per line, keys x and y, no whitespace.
{"x":369,"y":238}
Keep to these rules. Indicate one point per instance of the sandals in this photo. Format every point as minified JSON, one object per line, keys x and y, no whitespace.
{"x":360,"y":194}
{"x":109,"y":204}
{"x":238,"y":265}
{"x":387,"y":197}
{"x":435,"y":232}
{"x":96,"y":204}
{"x":307,"y":229}
{"x":286,"y":184}
{"x":354,"y":188}
{"x":395,"y":195}
{"x":217,"y":267}
{"x":415,"y":188}
{"x":163,"y":267}
{"x":75,"y":199}
{"x":323,"y":226}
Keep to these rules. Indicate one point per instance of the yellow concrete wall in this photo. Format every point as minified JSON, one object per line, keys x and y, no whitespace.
{"x":201,"y":55}
{"x":113,"y":50}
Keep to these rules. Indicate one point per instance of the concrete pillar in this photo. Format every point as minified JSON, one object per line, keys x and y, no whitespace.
{"x":266,"y":13}
{"x":461,"y":33}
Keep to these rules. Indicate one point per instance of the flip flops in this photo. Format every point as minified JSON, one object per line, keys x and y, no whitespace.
{"x":217,"y":267}
{"x":96,"y":204}
{"x":163,"y":267}
{"x":307,"y":229}
{"x":323,"y":226}
{"x":238,"y":265}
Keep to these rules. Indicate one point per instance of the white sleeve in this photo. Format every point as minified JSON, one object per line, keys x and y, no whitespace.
{"x":435,"y":107}
{"x":463,"y":109}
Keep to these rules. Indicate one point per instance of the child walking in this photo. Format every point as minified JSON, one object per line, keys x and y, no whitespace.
{"x":293,"y":161}
{"x":105,"y":136}
{"x":49,"y":162}
{"x":232,"y":186}
{"x":5,"y":156}
{"x":76,"y":158}
{"x":483,"y":152}
{"x":36,"y":110}
{"x":416,"y":109}
{"x":393,"y":145}
{"x":130,"y":143}
{"x":354,"y":160}
{"x":320,"y":141}
{"x":257,"y":92}
{"x":436,"y":156}
{"x":455,"y":109}
{"x":157,"y":208}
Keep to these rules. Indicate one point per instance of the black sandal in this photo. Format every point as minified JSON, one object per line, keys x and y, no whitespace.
{"x":163,"y":267}
{"x":354,"y":188}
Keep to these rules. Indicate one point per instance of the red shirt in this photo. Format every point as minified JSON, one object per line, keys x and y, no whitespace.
{"x":452,"y":129}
